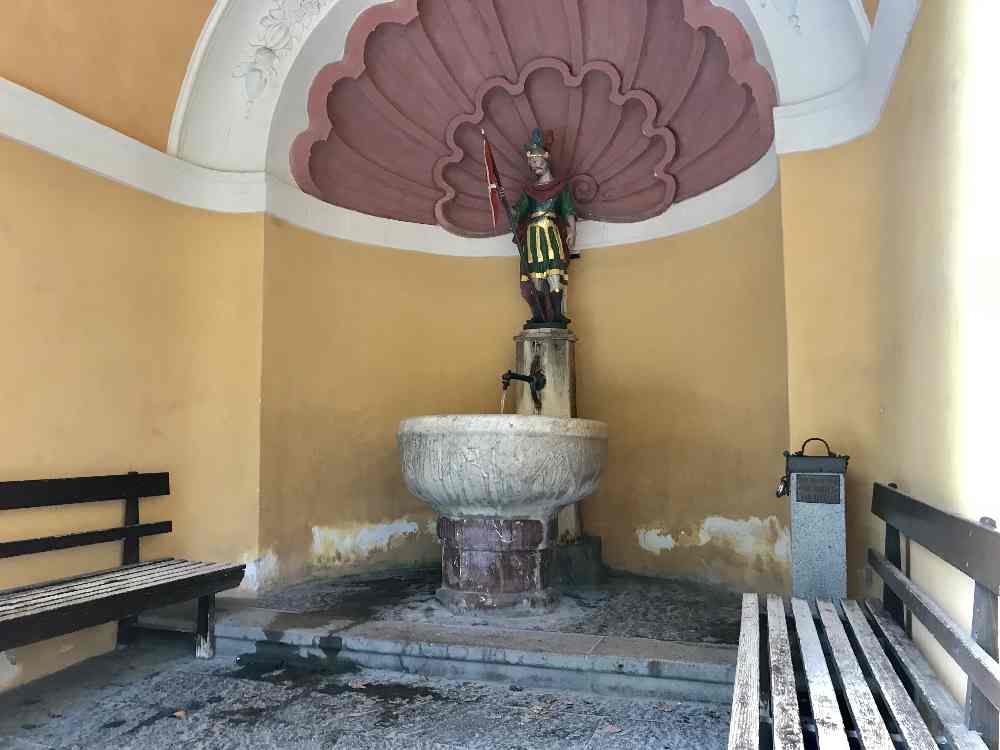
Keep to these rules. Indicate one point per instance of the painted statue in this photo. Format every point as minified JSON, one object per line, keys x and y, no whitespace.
{"x":544,"y":224}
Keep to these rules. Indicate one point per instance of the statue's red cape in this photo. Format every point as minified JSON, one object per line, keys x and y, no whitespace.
{"x":544,"y":192}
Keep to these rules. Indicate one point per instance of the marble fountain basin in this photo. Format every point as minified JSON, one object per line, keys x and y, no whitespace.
{"x":502,"y":466}
{"x":497,"y":483}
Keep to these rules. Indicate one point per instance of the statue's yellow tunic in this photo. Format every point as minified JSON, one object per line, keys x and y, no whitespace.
{"x":542,"y":222}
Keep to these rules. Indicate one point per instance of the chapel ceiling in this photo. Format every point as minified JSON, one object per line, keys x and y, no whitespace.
{"x":651,"y":102}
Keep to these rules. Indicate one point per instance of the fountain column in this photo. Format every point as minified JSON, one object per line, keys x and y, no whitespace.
{"x":553,"y":351}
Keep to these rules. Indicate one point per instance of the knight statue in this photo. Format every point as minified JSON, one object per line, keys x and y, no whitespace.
{"x":544,"y":224}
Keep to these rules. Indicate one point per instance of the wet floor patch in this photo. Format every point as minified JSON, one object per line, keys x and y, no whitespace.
{"x":354,"y":597}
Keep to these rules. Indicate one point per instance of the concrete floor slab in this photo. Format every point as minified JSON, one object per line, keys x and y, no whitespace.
{"x":154,"y":696}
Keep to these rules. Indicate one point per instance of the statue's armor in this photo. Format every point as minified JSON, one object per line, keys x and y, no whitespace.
{"x":542,"y":224}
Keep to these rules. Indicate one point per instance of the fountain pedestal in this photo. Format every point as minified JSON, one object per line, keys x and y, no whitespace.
{"x":553,"y":351}
{"x":489,"y":563}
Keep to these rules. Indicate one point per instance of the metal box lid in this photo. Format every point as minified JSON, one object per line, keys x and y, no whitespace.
{"x":800,"y":463}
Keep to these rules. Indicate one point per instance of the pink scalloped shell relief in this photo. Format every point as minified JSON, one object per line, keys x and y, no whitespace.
{"x":650,"y":101}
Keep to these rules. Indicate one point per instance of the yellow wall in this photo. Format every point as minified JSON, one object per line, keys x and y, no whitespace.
{"x":682,"y":351}
{"x":831,"y":209}
{"x":118,"y":62}
{"x":891,"y":269}
{"x":939,"y":307}
{"x":132,"y":340}
{"x":357,"y":338}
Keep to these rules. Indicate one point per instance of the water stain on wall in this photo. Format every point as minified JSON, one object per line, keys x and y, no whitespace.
{"x":357,"y":543}
{"x":759,"y":544}
{"x":260,"y":573}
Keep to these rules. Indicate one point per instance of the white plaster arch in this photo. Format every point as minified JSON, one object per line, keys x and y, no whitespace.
{"x":224,"y":156}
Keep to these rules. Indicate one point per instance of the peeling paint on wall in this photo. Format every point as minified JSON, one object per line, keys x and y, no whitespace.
{"x":9,"y":670}
{"x":260,"y":572}
{"x":654,"y":540}
{"x":749,"y":537}
{"x":339,"y":546}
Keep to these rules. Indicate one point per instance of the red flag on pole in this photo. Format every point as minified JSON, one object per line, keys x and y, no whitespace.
{"x":494,"y":186}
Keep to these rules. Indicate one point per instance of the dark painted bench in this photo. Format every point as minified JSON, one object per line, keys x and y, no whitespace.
{"x":45,"y":610}
{"x":846,"y":675}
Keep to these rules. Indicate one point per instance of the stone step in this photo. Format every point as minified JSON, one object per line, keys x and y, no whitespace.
{"x":609,"y":665}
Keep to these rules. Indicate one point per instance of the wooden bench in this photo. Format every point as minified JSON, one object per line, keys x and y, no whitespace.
{"x":842,"y":674}
{"x":34,"y":613}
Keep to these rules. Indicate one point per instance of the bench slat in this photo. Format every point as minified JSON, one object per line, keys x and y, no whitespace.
{"x":928,"y":688}
{"x":860,"y":701}
{"x":905,"y":714}
{"x":972,"y":548}
{"x":982,"y":670}
{"x":39,"y":493}
{"x":84,"y":614}
{"x":43,"y":593}
{"x":131,"y":583}
{"x":7,"y":594}
{"x":787,"y":727}
{"x":82,"y":539}
{"x":744,"y":722}
{"x":826,"y":711}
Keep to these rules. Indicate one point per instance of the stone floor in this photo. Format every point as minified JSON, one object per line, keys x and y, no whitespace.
{"x":153,"y":695}
{"x":626,"y":605}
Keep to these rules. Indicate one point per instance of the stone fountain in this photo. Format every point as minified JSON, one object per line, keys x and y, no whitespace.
{"x":497,"y":483}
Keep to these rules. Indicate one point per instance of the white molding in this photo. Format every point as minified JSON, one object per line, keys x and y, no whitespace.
{"x":191,"y":75}
{"x":42,"y":123}
{"x":854,"y":110}
{"x":864,"y":25}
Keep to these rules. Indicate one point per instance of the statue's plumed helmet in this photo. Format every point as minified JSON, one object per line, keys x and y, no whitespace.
{"x":540,"y":143}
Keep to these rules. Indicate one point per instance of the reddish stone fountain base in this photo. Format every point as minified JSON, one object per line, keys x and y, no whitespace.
{"x":497,"y":564}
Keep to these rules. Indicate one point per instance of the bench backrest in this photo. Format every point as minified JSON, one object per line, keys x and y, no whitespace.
{"x":40,"y":493}
{"x":974,"y":549}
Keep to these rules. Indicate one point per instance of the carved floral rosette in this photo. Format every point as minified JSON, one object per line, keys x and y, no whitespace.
{"x":650,"y":101}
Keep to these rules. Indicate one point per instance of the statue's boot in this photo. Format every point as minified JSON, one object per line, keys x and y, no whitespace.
{"x":556,"y":299}
{"x":537,"y":310}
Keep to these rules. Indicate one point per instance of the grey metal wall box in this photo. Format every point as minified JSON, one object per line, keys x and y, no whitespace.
{"x":816,"y":489}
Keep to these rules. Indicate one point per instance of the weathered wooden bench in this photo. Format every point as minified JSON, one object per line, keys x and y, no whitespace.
{"x":839,"y":674}
{"x":45,"y":610}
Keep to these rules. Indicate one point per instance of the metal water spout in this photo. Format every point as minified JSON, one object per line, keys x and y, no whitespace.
{"x":535,"y":381}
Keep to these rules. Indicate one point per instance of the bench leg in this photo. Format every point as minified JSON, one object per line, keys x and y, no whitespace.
{"x":204,"y":637}
{"x":126,"y":630}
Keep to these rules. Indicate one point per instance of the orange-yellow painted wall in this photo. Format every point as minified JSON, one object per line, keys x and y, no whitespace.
{"x":132,"y":332}
{"x":871,"y":7}
{"x":357,"y":338}
{"x":831,"y":208}
{"x":939,"y":269}
{"x":118,"y":62}
{"x":682,"y":351}
{"x":890,"y":277}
